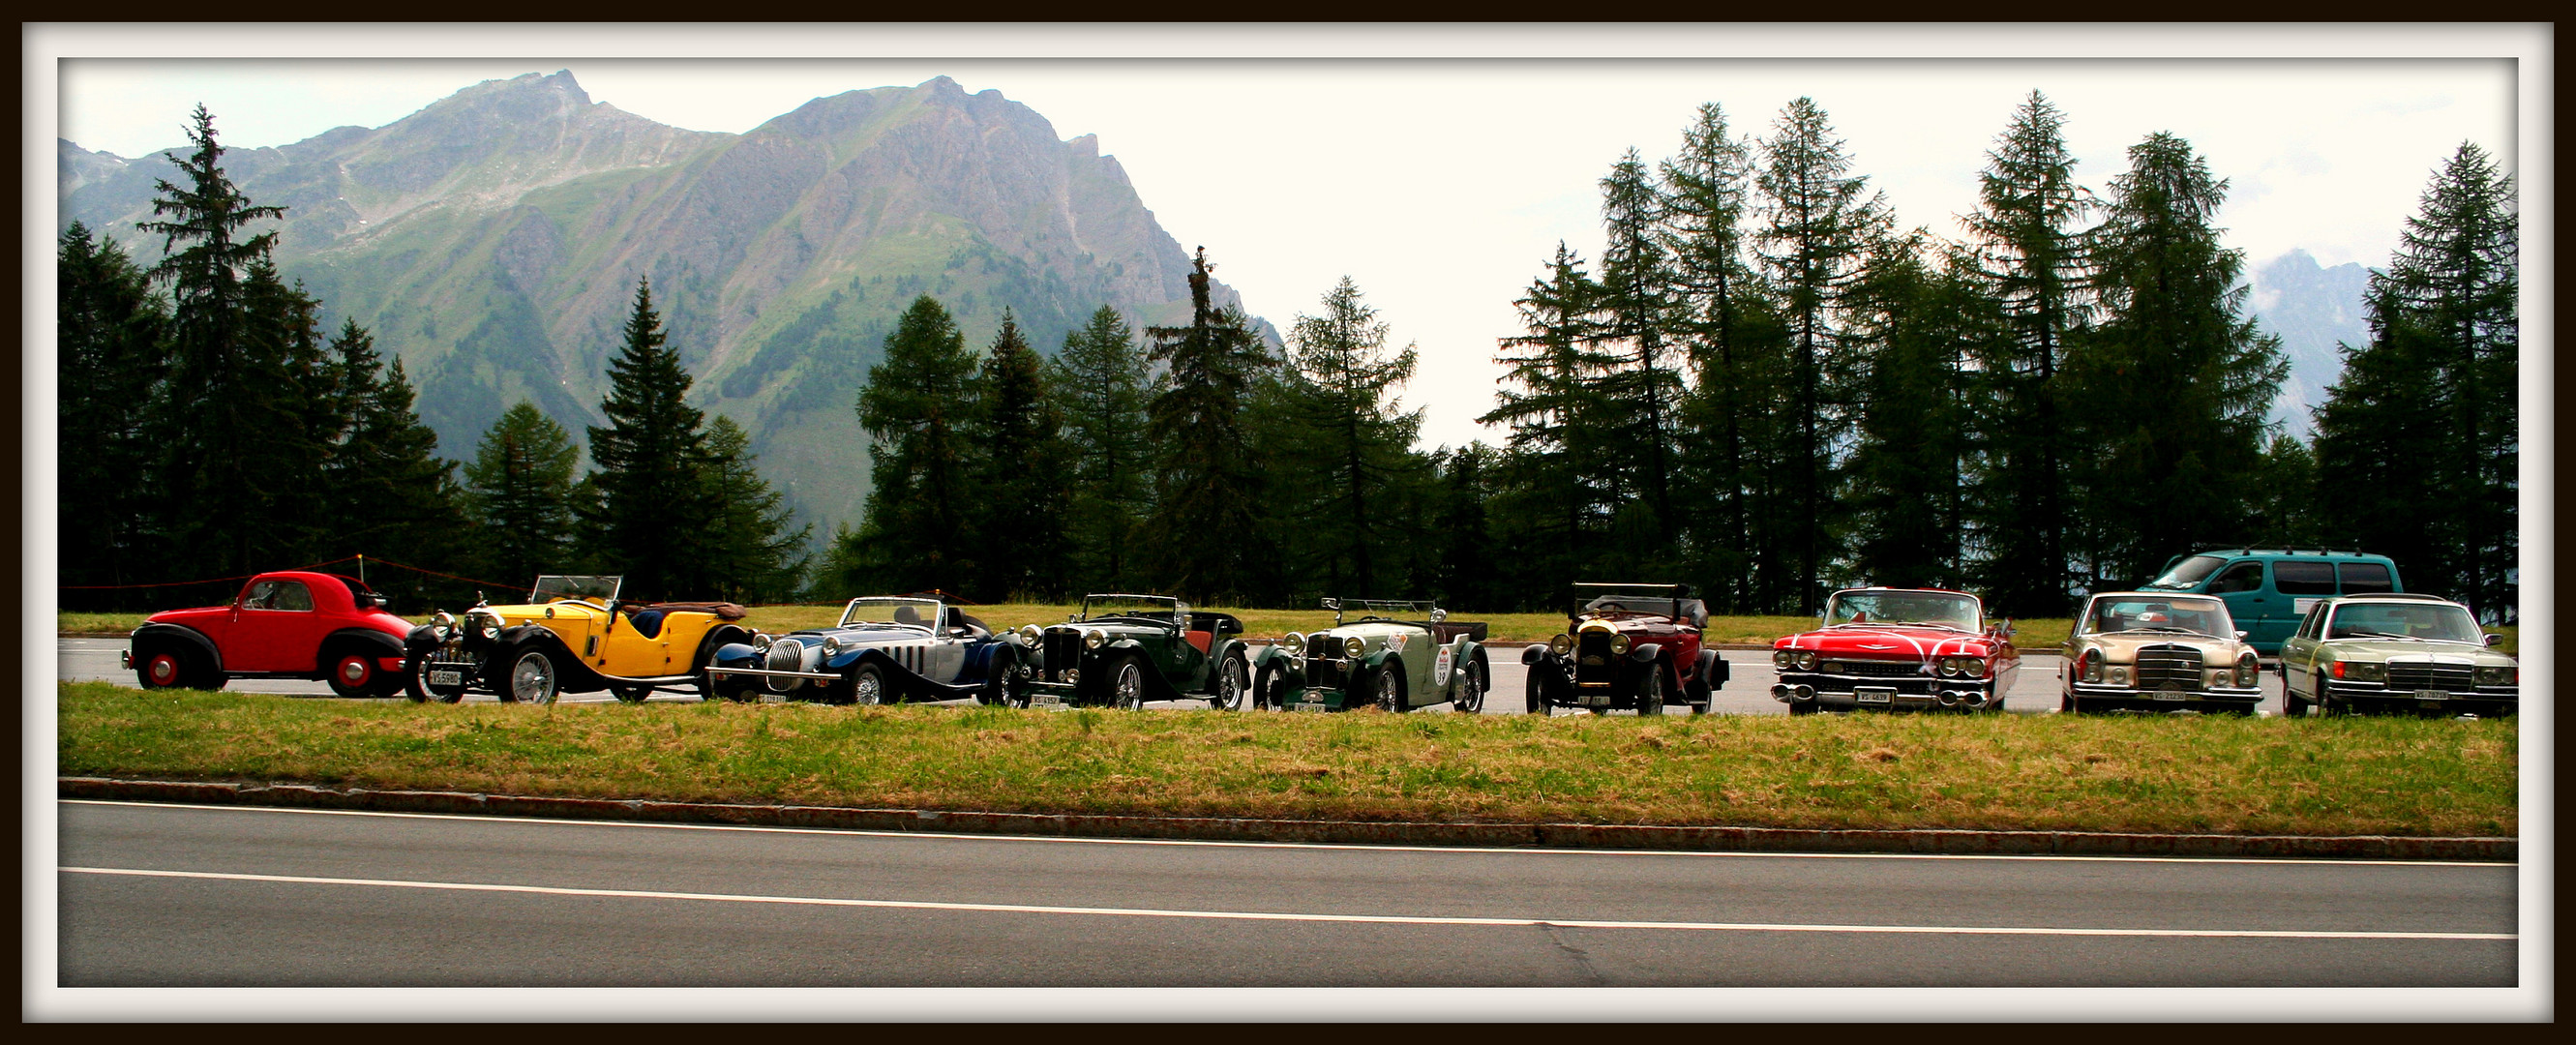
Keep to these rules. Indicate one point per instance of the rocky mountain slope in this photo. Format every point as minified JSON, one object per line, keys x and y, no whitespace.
{"x":494,"y":238}
{"x":2312,"y":308}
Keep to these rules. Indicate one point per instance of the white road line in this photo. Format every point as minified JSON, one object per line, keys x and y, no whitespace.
{"x":1075,"y":840}
{"x":1278,"y":916}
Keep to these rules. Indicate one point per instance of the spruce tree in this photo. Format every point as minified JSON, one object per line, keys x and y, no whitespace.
{"x":1636,"y":313}
{"x":2030,"y":257}
{"x":652,"y":517}
{"x":2439,"y":371}
{"x":1903,"y":486}
{"x":1551,"y":513}
{"x":2175,"y":381}
{"x":1017,"y":516}
{"x":1208,"y":496}
{"x":388,"y":490}
{"x":1098,"y":380}
{"x":753,"y":556}
{"x":1816,"y":225}
{"x":519,"y":494}
{"x":1721,"y":320}
{"x":110,"y":333}
{"x":916,"y":407}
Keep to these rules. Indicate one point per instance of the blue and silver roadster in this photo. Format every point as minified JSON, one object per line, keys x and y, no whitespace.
{"x":886,"y":649}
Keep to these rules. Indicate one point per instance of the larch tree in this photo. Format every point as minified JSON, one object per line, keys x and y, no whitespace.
{"x":917,"y":407}
{"x":1017,"y":516}
{"x":1098,"y":381}
{"x":1350,"y":443}
{"x":1207,"y":493}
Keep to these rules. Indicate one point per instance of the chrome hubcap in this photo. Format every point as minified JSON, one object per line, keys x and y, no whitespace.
{"x":163,"y":669}
{"x":353,"y":670}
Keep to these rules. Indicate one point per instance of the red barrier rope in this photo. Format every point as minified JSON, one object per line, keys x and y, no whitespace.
{"x":449,"y":576}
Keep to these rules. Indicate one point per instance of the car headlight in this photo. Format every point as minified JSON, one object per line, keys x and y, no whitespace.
{"x":1073,"y":674}
{"x":1618,"y":644}
{"x":1780,"y":658}
{"x":1094,"y":639}
{"x":1561,"y":645}
{"x":1352,"y":646}
{"x":2500,"y":675}
{"x":1029,"y":635}
{"x":2119,"y":674}
{"x":760,"y":640}
{"x":1806,"y":660}
{"x":831,"y":645}
{"x":445,"y":620}
{"x":1294,"y":643}
{"x":2089,"y":666}
{"x":2247,"y":670}
{"x":2361,"y":671}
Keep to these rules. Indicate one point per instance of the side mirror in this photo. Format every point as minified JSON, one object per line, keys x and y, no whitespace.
{"x":1438,"y":615}
{"x":2494,"y":639}
{"x":2244,"y":636}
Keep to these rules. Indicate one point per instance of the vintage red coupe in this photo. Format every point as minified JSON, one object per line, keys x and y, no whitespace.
{"x":285,"y":625}
{"x":1897,"y":649}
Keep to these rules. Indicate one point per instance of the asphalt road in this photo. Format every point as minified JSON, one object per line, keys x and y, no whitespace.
{"x":1747,"y":691}
{"x":166,"y":896}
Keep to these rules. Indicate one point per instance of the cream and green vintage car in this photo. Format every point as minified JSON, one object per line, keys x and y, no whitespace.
{"x":2158,"y":652}
{"x":2396,"y":653}
{"x":1398,"y":656}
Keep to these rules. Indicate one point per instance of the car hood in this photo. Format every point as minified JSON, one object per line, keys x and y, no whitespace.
{"x":857,"y":636}
{"x":2119,"y":648}
{"x":2385,"y":649}
{"x":1890,"y":643}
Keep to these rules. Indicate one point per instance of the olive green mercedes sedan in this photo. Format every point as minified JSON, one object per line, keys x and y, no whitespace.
{"x":2396,"y":653}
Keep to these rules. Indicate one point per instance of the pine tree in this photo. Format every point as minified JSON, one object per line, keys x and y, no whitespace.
{"x":916,"y":408}
{"x":2418,"y":446}
{"x":652,"y":519}
{"x":1903,"y":483}
{"x":754,"y":557}
{"x":388,"y":490}
{"x":1721,"y":320}
{"x":519,"y":494}
{"x":1207,"y":492}
{"x":1098,"y":381}
{"x":1017,"y":517}
{"x":1551,"y":513}
{"x":1817,"y":224}
{"x":232,"y":421}
{"x":111,"y":332}
{"x":2175,"y":381}
{"x":2031,"y":259}
{"x":1350,"y":443}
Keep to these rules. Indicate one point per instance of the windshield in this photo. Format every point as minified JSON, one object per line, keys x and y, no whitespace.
{"x":1159,"y":607}
{"x":1941,"y":609}
{"x":1663,"y":607}
{"x":919,"y":613}
{"x":2188,"y":573}
{"x":2433,"y":622}
{"x":2114,"y":613}
{"x":593,"y":589}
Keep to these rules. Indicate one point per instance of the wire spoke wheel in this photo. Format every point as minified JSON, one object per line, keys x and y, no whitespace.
{"x":1127,"y":688}
{"x":532,"y":678}
{"x":1230,"y":687}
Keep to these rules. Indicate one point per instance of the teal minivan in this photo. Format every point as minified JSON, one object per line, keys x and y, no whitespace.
{"x":2268,"y":590}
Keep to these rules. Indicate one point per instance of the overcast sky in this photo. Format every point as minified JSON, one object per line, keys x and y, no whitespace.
{"x":1439,"y":168}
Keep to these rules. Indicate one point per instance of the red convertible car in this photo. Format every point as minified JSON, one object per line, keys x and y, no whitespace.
{"x":285,"y":625}
{"x":1896,"y":649}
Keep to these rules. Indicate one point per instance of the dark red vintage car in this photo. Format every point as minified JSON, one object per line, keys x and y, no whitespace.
{"x":285,"y":625}
{"x":1626,"y":646}
{"x":1897,"y":649}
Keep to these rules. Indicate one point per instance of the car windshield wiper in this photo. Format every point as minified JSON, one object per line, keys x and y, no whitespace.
{"x":2357,"y":633}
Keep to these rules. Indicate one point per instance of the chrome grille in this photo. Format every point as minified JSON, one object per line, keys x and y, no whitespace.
{"x":1063,"y":647}
{"x":784,"y":655}
{"x":2433,"y":675}
{"x":2178,"y":665}
{"x":1878,"y":669}
{"x":1324,"y":671}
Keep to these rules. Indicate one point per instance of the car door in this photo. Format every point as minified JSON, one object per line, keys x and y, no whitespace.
{"x":946,"y":657}
{"x":2240,"y":585}
{"x":275,"y":628}
{"x":2297,"y":586}
{"x":2298,"y":654}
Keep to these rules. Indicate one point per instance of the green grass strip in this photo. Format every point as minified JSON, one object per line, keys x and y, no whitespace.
{"x":1988,"y":772}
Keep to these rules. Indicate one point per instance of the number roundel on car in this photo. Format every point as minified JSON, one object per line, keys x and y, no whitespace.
{"x":1441,"y":665}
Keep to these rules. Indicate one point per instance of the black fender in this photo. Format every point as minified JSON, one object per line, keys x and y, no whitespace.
{"x":1370,"y":669}
{"x":366,"y":640}
{"x":1645,"y":651}
{"x":1156,"y":686}
{"x":713,"y":645}
{"x":422,"y":639}
{"x":177,"y":635}
{"x":571,"y":675}
{"x":1536,"y":652}
{"x":901,"y":682}
{"x":1711,"y":669}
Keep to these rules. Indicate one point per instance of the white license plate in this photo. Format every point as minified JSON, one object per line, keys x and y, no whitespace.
{"x":1309,"y":706}
{"x":2163,"y":695}
{"x":1046,"y":700}
{"x":447,"y":678}
{"x":1874,"y":696}
{"x":2431,"y":694}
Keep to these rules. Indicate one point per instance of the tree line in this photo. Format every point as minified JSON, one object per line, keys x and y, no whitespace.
{"x":1764,"y":386}
{"x":210,"y":428}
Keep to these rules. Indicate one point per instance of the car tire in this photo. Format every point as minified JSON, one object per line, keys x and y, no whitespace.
{"x":1471,"y":690}
{"x":867,"y":686}
{"x":532,"y":678}
{"x":731,"y":688}
{"x":1270,"y":689}
{"x":1697,"y":694}
{"x":2066,"y":704}
{"x":353,"y":673}
{"x":164,"y":666}
{"x":630,"y":694}
{"x":1386,"y":688}
{"x":1805,"y":708}
{"x":1650,"y":691}
{"x":1127,"y":684}
{"x":2292,"y":704}
{"x":416,"y":683}
{"x":1232,"y":685}
{"x":1535,"y":688}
